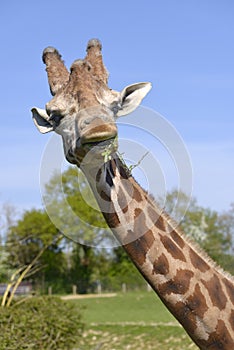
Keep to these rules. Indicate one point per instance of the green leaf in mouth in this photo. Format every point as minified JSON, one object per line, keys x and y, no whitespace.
{"x":109,"y":149}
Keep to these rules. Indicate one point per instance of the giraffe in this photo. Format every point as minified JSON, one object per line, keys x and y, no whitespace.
{"x":83,"y":111}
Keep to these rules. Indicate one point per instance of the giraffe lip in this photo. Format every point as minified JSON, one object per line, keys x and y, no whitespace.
{"x":100,"y":143}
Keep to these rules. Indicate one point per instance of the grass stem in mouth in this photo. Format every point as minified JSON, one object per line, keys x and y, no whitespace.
{"x":109,"y":149}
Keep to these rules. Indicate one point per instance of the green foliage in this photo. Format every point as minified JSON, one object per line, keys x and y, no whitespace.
{"x":202,"y":224}
{"x":34,"y":232}
{"x":29,"y":236}
{"x":40,"y":323}
{"x":8,"y":215}
{"x":82,"y":266}
{"x":68,"y":262}
{"x":5,"y":271}
{"x":226,"y":261}
{"x":73,"y":208}
{"x":122,"y":270}
{"x":226,"y":221}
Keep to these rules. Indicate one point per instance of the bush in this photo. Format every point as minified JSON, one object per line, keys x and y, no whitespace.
{"x":40,"y":323}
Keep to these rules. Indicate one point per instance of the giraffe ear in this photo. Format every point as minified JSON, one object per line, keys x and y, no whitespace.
{"x":131,"y":96}
{"x":41,"y":120}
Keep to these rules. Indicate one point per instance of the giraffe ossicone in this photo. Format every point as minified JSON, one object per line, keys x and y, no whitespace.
{"x":84,"y":111}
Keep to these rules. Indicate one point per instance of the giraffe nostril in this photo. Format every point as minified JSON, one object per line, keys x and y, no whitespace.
{"x":84,"y":123}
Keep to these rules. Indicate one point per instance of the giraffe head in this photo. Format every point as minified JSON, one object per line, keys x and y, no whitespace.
{"x":84,"y":109}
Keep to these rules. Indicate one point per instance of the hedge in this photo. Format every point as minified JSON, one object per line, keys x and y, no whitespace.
{"x":40,"y":323}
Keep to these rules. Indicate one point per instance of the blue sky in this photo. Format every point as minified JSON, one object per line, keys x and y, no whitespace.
{"x":185,"y":48}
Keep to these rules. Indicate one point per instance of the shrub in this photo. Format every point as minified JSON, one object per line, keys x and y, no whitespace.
{"x":40,"y":323}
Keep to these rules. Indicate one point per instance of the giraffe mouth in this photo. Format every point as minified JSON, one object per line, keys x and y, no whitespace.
{"x":102,"y":144}
{"x":96,"y":149}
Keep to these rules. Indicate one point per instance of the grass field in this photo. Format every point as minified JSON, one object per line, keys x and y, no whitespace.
{"x":128,"y":322}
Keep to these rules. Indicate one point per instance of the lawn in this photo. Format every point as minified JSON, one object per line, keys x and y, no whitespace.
{"x":130,"y":321}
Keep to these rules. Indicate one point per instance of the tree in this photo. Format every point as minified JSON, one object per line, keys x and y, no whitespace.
{"x":226,"y":221}
{"x":123,"y":271}
{"x":5,"y":271}
{"x":8,"y":217}
{"x":27,"y":238}
{"x":82,"y":266}
{"x":177,"y":204}
{"x":210,"y":229}
{"x":73,"y":209}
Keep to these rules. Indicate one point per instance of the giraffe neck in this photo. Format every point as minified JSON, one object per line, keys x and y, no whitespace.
{"x":196,"y":292}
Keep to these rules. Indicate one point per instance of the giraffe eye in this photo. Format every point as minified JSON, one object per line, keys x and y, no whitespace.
{"x":115,"y":107}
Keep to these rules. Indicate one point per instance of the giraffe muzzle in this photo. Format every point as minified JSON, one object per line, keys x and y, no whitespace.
{"x":98,"y":134}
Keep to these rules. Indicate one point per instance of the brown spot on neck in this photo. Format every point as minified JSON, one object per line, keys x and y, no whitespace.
{"x":105,"y":196}
{"x":112,"y":167}
{"x":111,"y":218}
{"x":156,"y":219}
{"x":197,"y":303}
{"x":178,"y":284}
{"x":231,"y":320}
{"x":137,"y":195}
{"x":220,"y":339}
{"x":123,"y":171}
{"x":177,"y":239}
{"x":216,"y":293}
{"x":139,"y":248}
{"x":230,"y":289}
{"x":138,"y":212}
{"x":109,"y":179}
{"x":172,"y":248}
{"x":140,"y":227}
{"x":184,"y":315}
{"x":198,"y":262}
{"x":161,"y":265}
